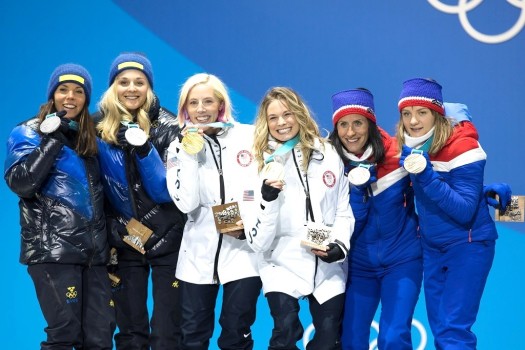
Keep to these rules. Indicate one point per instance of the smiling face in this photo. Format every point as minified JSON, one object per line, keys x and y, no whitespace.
{"x":417,"y":120}
{"x":352,"y":130}
{"x":282,"y":122}
{"x":132,"y":89}
{"x":202,"y":105}
{"x":71,"y":98}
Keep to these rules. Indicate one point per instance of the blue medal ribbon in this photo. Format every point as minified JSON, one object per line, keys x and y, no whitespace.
{"x":285,"y":148}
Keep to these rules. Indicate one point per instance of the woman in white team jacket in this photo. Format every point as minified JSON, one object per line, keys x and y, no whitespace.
{"x":309,"y":190}
{"x":223,"y":171}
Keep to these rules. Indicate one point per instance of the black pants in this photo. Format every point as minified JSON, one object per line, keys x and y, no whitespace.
{"x":287,"y":330}
{"x":131,"y":297}
{"x":239,"y":302}
{"x":76,"y":303}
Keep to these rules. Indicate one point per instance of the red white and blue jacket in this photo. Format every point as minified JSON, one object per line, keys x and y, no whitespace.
{"x":450,"y":204}
{"x":386,"y":231}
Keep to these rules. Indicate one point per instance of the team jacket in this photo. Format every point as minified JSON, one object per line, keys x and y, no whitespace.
{"x":450,"y":205}
{"x":386,"y":230}
{"x":224,"y":171}
{"x":136,"y":188}
{"x":285,"y":265}
{"x":61,"y":200}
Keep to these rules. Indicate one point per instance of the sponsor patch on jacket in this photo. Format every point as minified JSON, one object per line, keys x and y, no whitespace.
{"x":244,"y":158}
{"x":329,"y":179}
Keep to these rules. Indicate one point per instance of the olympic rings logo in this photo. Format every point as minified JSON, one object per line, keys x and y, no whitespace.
{"x":423,"y":338}
{"x":465,"y":6}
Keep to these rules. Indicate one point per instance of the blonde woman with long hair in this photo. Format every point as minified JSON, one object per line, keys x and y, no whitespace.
{"x":303,"y":189}
{"x":135,"y":132}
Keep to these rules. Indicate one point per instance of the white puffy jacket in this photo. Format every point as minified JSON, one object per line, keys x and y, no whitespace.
{"x":194,"y":184}
{"x":285,"y":265}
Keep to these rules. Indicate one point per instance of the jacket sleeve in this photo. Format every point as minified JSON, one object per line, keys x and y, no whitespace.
{"x":183,"y":178}
{"x":153,"y":175}
{"x":343,"y":227}
{"x":459,"y":198}
{"x":261,"y":236}
{"x":29,"y":160}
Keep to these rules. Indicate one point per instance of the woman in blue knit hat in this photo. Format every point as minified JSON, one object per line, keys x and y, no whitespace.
{"x":384,"y":264}
{"x":145,"y":226}
{"x":446,"y":165}
{"x":52,"y":166}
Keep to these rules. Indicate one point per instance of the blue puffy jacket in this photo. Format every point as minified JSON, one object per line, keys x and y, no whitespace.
{"x":61,"y":200}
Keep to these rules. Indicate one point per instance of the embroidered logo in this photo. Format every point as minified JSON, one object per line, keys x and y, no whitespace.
{"x":244,"y":158}
{"x":71,"y":295}
{"x":329,"y":179}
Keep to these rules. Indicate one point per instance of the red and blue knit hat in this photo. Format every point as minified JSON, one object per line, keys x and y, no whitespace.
{"x":131,"y":60}
{"x":69,"y":73}
{"x":358,"y":101}
{"x":421,"y":92}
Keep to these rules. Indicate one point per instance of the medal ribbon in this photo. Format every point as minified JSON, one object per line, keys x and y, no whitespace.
{"x":285,"y":148}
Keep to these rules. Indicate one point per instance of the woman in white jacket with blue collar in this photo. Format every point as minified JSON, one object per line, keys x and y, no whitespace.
{"x":309,"y":190}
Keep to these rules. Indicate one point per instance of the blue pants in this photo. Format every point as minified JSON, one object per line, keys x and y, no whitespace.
{"x":239,"y":302}
{"x":76,"y":303}
{"x":454,"y":282}
{"x":397,"y":288}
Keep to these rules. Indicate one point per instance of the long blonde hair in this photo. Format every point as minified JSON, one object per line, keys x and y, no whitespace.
{"x":114,"y":112}
{"x":219,"y":90}
{"x":308,"y":129}
{"x":443,"y":129}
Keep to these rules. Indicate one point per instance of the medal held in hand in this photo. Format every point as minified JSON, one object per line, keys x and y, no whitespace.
{"x":317,"y":236}
{"x":273,"y":171}
{"x":51,"y":122}
{"x":515,"y":211}
{"x":415,"y":162}
{"x":192,"y":142}
{"x":135,"y":135}
{"x":360,"y":174}
{"x":226,"y":217}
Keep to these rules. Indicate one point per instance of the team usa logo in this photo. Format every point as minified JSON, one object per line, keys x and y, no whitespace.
{"x":244,"y":158}
{"x":329,"y":179}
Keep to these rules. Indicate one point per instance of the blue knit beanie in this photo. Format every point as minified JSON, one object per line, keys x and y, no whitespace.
{"x":358,"y":101}
{"x":69,"y":73}
{"x":131,"y":60}
{"x":422,"y":92}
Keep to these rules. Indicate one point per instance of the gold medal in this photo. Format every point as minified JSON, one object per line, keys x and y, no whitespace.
{"x":192,"y":142}
{"x":273,"y":171}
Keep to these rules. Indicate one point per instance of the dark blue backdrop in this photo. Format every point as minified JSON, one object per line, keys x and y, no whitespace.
{"x":475,"y":49}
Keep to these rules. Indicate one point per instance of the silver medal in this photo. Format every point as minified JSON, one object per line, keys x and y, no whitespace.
{"x":136,"y":136}
{"x":49,"y":125}
{"x":415,"y":163}
{"x":359,"y":176}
